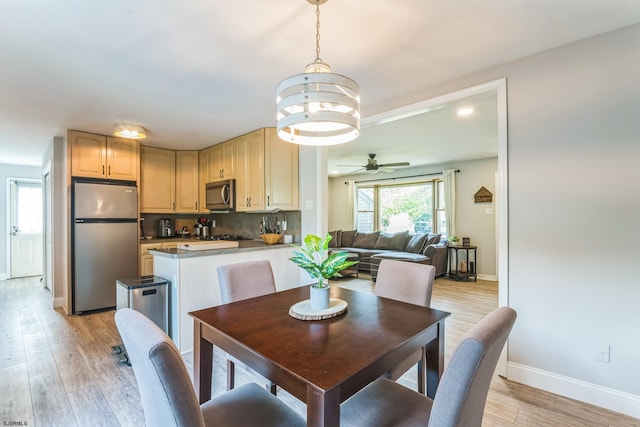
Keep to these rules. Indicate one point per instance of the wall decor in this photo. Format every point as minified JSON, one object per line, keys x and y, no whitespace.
{"x":483,"y":196}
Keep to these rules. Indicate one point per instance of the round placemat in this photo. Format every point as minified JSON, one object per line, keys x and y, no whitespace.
{"x":303,"y":311}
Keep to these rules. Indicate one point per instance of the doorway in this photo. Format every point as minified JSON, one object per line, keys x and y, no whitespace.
{"x":25,"y":227}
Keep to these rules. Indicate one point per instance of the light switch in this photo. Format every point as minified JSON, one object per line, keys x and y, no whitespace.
{"x":488,"y":211}
{"x":309,"y":204}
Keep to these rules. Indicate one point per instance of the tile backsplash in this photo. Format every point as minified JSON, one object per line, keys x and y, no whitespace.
{"x":245,"y":224}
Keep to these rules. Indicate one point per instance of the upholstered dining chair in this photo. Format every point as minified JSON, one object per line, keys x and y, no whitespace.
{"x":244,"y":280}
{"x":168,"y":396}
{"x":462,"y":392}
{"x":412,"y":283}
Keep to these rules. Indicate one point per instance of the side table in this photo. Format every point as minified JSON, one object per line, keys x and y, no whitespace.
{"x":455,"y":262}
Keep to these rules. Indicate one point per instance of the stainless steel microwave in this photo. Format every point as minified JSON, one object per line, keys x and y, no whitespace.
{"x":221,"y":195}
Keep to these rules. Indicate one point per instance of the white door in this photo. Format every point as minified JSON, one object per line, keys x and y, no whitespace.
{"x":26,"y":228}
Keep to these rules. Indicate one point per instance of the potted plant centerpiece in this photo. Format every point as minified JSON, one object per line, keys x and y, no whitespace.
{"x":314,"y":258}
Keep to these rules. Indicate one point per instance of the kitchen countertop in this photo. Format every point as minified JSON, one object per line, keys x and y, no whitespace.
{"x":244,"y":246}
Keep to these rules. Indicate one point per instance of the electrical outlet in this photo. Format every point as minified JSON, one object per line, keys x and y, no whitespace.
{"x":603,"y":353}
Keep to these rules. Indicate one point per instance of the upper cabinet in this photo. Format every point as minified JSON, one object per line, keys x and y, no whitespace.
{"x":222,"y":161}
{"x":267,"y":172}
{"x":100,"y":156}
{"x":157,"y":180}
{"x":280,"y":172}
{"x":187,"y":181}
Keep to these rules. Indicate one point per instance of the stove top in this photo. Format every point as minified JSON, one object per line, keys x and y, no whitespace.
{"x":223,"y":237}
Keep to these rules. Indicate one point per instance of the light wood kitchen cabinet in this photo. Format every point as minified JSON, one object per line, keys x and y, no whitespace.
{"x":146,"y":259}
{"x":187,"y":181}
{"x":157,"y":180}
{"x":223,"y":161}
{"x":281,"y":172}
{"x":250,"y":190}
{"x":100,"y":156}
{"x":204,"y":163}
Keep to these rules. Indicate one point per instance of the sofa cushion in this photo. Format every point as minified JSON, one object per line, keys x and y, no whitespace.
{"x":347,"y":237}
{"x":335,"y":239}
{"x":366,"y":240}
{"x":433,"y":239}
{"x":393,"y":241}
{"x":416,"y":243}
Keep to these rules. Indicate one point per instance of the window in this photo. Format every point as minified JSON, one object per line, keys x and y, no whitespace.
{"x":29,"y":206}
{"x":416,"y":207}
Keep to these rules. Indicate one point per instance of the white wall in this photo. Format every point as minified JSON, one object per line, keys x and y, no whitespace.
{"x":471,"y":219}
{"x":10,"y":171}
{"x":574,"y":204}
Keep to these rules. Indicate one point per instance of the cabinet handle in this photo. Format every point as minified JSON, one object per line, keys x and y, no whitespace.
{"x":102,"y":169}
{"x":174,"y":206}
{"x":109,"y":168}
{"x":196,"y":205}
{"x":268,"y":201}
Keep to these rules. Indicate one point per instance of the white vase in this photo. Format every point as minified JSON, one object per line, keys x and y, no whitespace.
{"x":319,"y":297}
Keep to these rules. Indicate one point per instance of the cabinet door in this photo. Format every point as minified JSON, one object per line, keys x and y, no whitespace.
{"x":146,"y":265}
{"x":88,"y":154}
{"x":228,"y":159}
{"x":204,"y":172}
{"x":187,"y":181}
{"x":215,"y":163}
{"x":157,"y":180}
{"x":250,"y":174}
{"x":122,"y":159}
{"x":281,"y":172}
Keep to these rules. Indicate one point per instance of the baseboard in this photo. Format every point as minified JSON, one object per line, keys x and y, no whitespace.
{"x":58,"y":302}
{"x":488,"y":277}
{"x":604,"y":397}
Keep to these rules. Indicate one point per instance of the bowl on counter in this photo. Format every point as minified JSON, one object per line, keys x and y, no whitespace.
{"x":271,"y":238}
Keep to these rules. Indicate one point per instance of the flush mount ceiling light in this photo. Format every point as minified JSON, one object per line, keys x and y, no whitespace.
{"x":465,"y":111}
{"x":130,"y":131}
{"x":318,"y":107}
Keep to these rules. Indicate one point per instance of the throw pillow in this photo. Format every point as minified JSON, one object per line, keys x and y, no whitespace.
{"x":433,"y":239}
{"x":366,"y":240}
{"x":335,"y":238}
{"x":393,"y":241}
{"x":416,"y":243}
{"x":347,"y":238}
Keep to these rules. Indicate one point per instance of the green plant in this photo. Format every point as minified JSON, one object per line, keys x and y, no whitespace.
{"x":311,"y":258}
{"x":454,"y":239}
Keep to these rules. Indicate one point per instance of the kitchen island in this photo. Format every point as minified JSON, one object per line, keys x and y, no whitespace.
{"x":194,"y":284}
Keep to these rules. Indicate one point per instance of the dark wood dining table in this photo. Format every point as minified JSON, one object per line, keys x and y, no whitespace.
{"x":321,"y":362}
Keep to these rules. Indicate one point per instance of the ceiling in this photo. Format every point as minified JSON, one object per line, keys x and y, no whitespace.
{"x":200,"y":72}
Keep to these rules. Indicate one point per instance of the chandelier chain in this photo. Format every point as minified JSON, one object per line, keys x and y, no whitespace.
{"x":318,"y":32}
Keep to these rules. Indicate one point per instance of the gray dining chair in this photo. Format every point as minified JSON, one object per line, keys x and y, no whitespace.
{"x":411,"y":283}
{"x":240,"y":281}
{"x":167,"y":393}
{"x":462,"y":392}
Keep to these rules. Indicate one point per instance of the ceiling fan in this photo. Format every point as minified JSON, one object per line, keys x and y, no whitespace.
{"x":372,"y":166}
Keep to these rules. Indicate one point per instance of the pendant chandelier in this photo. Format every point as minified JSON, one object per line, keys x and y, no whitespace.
{"x":318,"y":107}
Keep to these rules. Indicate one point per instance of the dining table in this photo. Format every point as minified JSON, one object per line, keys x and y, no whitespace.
{"x":321,"y":362}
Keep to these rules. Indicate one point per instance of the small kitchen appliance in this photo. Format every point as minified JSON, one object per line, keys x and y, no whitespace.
{"x":165,"y":227}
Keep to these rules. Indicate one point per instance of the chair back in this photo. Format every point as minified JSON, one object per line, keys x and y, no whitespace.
{"x":168,"y":396}
{"x":245,"y":280}
{"x":462,"y":392}
{"x":405,"y":281}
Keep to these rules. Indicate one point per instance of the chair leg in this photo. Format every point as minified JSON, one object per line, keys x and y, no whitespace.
{"x":231,"y":374}
{"x":272,"y":388}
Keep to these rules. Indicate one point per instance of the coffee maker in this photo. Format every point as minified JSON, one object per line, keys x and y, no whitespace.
{"x":165,"y":227}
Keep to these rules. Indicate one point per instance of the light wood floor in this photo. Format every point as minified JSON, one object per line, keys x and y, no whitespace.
{"x":58,"y":370}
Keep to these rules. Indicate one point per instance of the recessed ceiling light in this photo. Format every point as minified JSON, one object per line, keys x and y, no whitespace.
{"x":334,"y":172}
{"x":465,"y":111}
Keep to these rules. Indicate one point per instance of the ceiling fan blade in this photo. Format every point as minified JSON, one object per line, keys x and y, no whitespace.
{"x":350,"y":166}
{"x":357,"y":170}
{"x":387,"y":170}
{"x":395,"y":164}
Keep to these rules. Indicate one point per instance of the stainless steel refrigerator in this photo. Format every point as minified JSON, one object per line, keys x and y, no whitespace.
{"x":105,"y":239}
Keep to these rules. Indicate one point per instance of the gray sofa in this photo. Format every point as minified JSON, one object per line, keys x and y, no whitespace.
{"x":403,"y":243}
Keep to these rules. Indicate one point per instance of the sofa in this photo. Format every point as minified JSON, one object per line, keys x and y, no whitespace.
{"x":402,"y":244}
